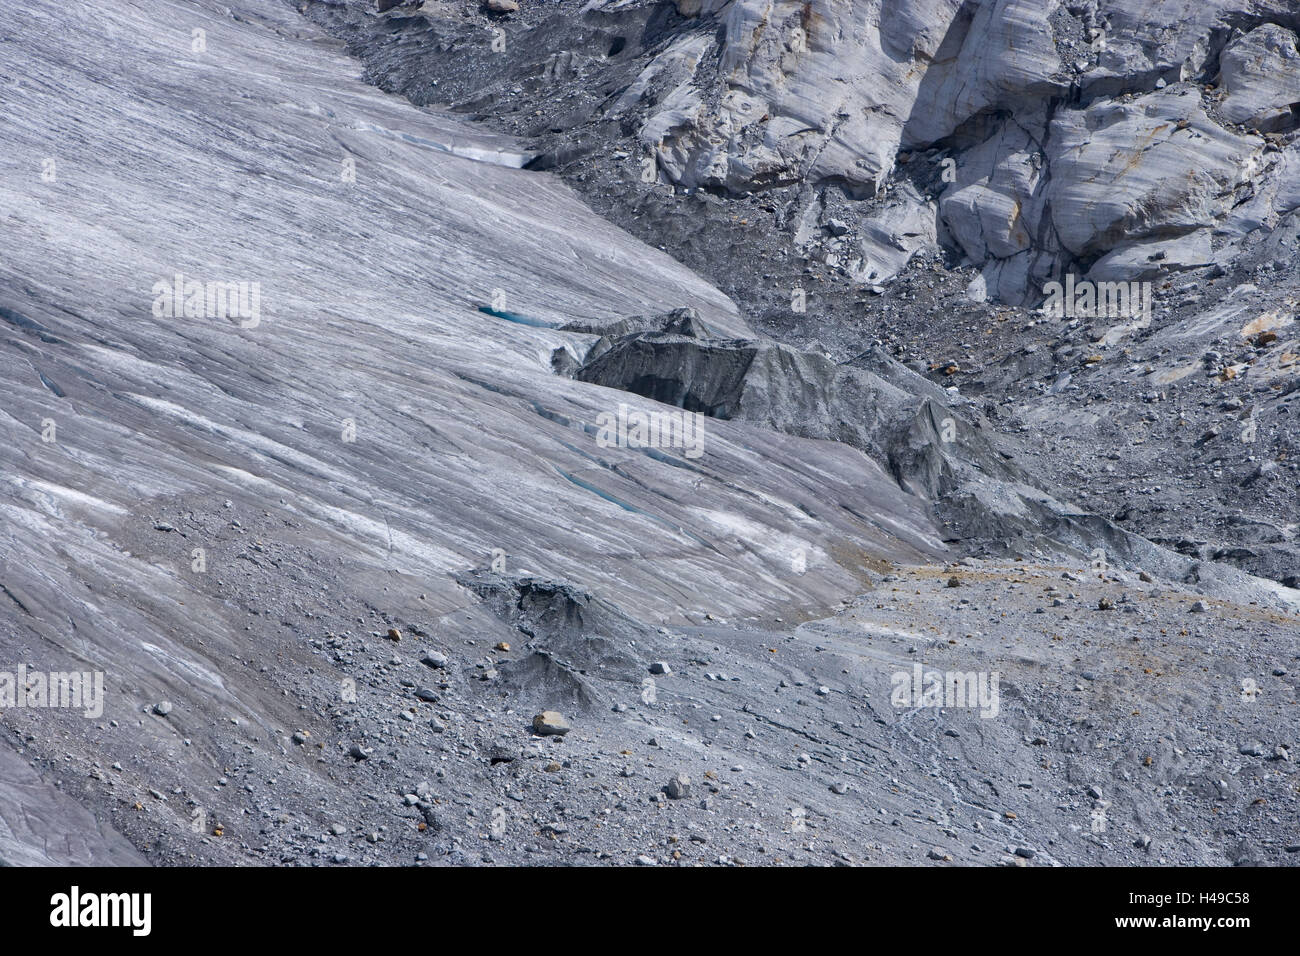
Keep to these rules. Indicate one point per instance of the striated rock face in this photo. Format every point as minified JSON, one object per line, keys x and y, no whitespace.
{"x":830,"y":91}
{"x":1151,"y":167}
{"x":1074,"y":131}
{"x":1024,"y":138}
{"x":1260,"y":74}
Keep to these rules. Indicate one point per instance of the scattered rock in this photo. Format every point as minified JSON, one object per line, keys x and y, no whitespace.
{"x":550,"y":723}
{"x":679,"y":787}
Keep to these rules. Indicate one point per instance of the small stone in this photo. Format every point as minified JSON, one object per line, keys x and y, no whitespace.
{"x":357,"y":752}
{"x":394,"y":634}
{"x":1105,"y":604}
{"x":427,"y":694}
{"x":659,"y":667}
{"x":162,"y":708}
{"x":936,"y":853}
{"x":1025,"y":852}
{"x":679,"y":787}
{"x":550,"y":723}
{"x":1200,"y":607}
{"x":840,"y":787}
{"x":954,"y":582}
{"x":434,"y":659}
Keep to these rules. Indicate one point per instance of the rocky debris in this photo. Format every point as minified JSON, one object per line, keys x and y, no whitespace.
{"x":162,"y":708}
{"x":501,"y":751}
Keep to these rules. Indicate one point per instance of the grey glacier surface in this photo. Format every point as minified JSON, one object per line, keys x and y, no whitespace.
{"x":365,"y":579}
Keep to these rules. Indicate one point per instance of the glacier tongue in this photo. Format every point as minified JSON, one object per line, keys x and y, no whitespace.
{"x":354,"y":421}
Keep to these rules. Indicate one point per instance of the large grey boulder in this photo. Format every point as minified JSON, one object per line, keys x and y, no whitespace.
{"x":1127,"y":171}
{"x":1260,"y":72}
